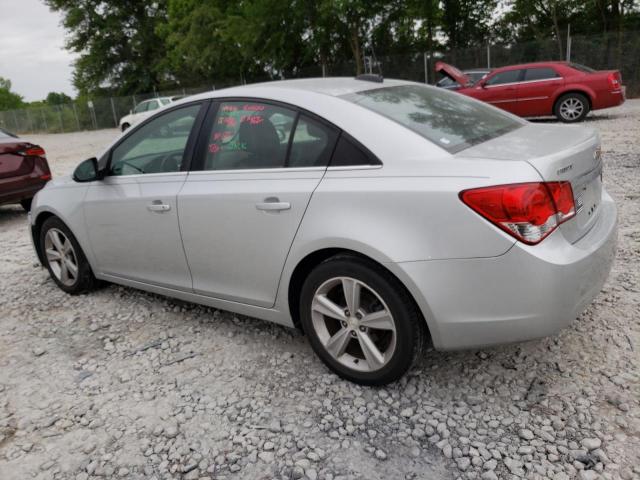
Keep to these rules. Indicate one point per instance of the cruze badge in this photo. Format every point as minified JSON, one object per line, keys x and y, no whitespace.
{"x":564,"y":169}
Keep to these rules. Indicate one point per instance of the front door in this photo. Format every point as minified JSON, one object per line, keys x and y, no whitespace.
{"x":132,"y":215}
{"x":239,"y":214}
{"x":500,"y":90}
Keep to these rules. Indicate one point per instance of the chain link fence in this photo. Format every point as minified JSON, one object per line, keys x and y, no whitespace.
{"x":619,"y":51}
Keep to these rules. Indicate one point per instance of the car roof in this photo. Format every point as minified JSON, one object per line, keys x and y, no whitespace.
{"x":332,"y":86}
{"x":530,"y":65}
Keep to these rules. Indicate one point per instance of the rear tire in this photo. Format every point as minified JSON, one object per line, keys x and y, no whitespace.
{"x":26,"y":204}
{"x":125,"y":126}
{"x":571,"y":108}
{"x":65,"y":260}
{"x":377,"y":343}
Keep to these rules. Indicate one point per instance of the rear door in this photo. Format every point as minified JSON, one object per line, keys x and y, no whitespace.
{"x":536,"y":91}
{"x":500,"y":89}
{"x":259,"y":164}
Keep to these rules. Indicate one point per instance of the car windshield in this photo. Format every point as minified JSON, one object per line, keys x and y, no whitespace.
{"x":450,"y":120}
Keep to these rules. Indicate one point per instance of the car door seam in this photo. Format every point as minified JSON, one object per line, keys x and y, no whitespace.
{"x":184,"y":250}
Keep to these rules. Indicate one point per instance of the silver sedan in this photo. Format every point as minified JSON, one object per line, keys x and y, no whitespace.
{"x":376,"y":215}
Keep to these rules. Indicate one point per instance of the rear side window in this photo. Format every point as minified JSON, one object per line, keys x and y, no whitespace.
{"x":349,"y":153}
{"x":312,"y":144}
{"x":248,"y":135}
{"x":501,"y":78}
{"x":531,"y":74}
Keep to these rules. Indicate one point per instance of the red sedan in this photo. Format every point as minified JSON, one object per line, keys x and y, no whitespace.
{"x":567,"y":90}
{"x":23,"y":170}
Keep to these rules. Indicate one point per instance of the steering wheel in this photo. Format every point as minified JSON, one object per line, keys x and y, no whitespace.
{"x":171,"y":157}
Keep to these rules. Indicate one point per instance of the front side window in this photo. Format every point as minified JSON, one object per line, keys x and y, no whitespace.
{"x":141,"y":107}
{"x":531,"y":74}
{"x":153,"y":105}
{"x":156,"y":147}
{"x":248,"y":135}
{"x":502,"y":78}
{"x":451,"y":121}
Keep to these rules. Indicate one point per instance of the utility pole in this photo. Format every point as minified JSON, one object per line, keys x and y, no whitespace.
{"x":569,"y":43}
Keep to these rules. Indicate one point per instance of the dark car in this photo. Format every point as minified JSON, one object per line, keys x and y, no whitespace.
{"x":474,"y":75}
{"x":23,"y":170}
{"x":567,"y":90}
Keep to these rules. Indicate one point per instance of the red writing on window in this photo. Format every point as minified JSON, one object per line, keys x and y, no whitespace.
{"x":229,"y":121}
{"x":229,"y":108}
{"x":214,"y":148}
{"x":253,"y":108}
{"x":222,"y":135}
{"x":251,"y":119}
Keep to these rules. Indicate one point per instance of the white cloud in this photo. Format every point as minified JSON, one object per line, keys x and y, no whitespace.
{"x":32,"y":53}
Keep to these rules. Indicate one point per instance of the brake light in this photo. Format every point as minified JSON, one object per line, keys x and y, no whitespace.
{"x":527,"y":211}
{"x":614,"y":80}
{"x":46,"y":176}
{"x":34,"y":151}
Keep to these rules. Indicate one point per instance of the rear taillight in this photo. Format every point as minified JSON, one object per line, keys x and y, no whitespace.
{"x":33,"y":151}
{"x":614,"y":80}
{"x":528,"y":211}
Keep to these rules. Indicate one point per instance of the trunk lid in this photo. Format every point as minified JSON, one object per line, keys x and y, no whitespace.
{"x":12,"y":163}
{"x":558,"y":153}
{"x":453,"y":73}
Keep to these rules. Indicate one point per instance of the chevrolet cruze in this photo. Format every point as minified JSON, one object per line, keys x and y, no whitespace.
{"x":376,"y":215}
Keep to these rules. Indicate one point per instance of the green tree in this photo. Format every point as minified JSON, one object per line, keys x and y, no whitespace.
{"x":117,"y":42}
{"x":8,"y":99}
{"x":57,"y":98}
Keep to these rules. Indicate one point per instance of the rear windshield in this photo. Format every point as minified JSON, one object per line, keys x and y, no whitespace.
{"x":450,"y":120}
{"x":581,"y":68}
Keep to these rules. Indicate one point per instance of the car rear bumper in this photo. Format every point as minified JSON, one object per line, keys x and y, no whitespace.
{"x":609,"y":99}
{"x":529,"y":292}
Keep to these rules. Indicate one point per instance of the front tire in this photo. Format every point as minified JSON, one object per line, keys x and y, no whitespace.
{"x":64,"y":258}
{"x":571,"y":108}
{"x":360,"y":320}
{"x":125,"y":126}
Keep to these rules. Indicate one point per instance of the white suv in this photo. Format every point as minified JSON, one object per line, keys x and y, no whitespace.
{"x":142,"y":111}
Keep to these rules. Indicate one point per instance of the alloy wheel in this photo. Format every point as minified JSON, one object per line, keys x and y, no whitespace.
{"x":61,"y":257}
{"x":571,"y":108}
{"x":354,"y":324}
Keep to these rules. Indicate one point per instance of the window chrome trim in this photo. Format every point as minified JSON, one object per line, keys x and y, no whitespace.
{"x":524,"y":82}
{"x":355,"y":167}
{"x":148,"y":175}
{"x":256,"y":170}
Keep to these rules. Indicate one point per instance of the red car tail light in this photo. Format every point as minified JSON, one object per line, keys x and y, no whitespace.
{"x":614,"y":80}
{"x":34,"y":151}
{"x":527,"y":211}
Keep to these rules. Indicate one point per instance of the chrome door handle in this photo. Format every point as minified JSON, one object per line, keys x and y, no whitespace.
{"x":158,"y":207}
{"x":273,"y":205}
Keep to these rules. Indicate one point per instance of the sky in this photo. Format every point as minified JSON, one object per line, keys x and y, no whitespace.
{"x":32,"y":53}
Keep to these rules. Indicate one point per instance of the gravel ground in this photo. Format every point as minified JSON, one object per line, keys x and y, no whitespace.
{"x":125,"y":384}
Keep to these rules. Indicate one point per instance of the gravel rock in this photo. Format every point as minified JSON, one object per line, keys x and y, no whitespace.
{"x":591,"y":443}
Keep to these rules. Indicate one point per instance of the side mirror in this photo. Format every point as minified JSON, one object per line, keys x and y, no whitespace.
{"x":131,"y":112}
{"x":87,"y":171}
